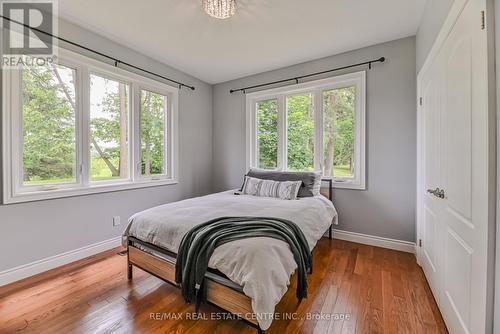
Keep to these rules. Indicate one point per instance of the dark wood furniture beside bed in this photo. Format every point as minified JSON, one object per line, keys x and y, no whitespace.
{"x":221,"y":292}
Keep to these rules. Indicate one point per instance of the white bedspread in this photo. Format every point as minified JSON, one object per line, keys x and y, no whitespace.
{"x":262,"y":266}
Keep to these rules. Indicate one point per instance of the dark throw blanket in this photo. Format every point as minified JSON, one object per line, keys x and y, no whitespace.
{"x":199,"y":243}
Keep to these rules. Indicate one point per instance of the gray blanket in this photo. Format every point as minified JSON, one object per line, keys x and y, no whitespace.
{"x":199,"y":243}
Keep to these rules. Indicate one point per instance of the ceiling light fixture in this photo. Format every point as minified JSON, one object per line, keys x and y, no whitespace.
{"x":220,"y":9}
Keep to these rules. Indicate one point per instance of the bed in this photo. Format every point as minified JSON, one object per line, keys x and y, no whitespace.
{"x":246,"y":277}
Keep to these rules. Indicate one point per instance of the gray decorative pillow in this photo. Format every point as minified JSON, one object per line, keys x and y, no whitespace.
{"x":268,"y":188}
{"x":310,"y":181}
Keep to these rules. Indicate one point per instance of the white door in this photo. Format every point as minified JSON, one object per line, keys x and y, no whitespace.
{"x":431,"y":117}
{"x":465,"y":174}
{"x":454,"y":173}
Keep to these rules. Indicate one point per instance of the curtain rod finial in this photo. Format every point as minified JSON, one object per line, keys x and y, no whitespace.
{"x":381,"y":59}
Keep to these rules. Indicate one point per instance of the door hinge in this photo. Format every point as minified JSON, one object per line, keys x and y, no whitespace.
{"x":421,"y":101}
{"x":483,"y":23}
{"x":419,"y":242}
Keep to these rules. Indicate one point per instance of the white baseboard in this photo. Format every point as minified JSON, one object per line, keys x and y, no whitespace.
{"x":37,"y":267}
{"x":372,"y":240}
{"x":40,"y":266}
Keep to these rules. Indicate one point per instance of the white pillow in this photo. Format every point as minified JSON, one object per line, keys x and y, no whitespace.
{"x":317,"y":183}
{"x":268,"y":188}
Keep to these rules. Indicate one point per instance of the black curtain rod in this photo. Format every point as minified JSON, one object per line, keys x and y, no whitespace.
{"x":115,"y":60}
{"x":296,"y":79}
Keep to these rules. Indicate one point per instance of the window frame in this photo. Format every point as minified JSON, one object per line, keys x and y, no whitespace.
{"x":91,"y":70}
{"x":257,"y":146}
{"x":12,"y":139}
{"x":17,"y":130}
{"x":316,"y":88}
{"x":167,"y":126}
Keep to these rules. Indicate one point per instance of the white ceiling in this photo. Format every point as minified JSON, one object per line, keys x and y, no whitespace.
{"x":263,"y":35}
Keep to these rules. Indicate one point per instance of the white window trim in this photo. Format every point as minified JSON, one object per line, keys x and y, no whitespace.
{"x":11,"y":130}
{"x":316,"y":87}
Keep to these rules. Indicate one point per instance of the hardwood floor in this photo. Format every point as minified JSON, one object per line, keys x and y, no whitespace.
{"x":375,"y":290}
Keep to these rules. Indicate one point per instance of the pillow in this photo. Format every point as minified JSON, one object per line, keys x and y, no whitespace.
{"x":268,"y":188}
{"x":317,"y":184}
{"x":310,"y":181}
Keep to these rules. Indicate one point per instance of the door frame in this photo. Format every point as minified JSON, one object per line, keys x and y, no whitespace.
{"x":453,"y":15}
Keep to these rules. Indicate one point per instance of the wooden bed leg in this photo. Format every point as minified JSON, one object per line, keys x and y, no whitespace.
{"x":129,"y":271}
{"x":129,"y":265}
{"x":330,"y":230}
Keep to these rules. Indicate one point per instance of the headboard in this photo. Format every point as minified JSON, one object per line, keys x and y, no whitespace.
{"x":327,"y":188}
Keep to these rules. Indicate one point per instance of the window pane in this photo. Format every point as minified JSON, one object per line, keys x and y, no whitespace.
{"x":108,"y":129}
{"x":300,"y":136}
{"x":153,"y":148}
{"x":267,"y":133}
{"x":339,"y":132}
{"x":48,"y":123}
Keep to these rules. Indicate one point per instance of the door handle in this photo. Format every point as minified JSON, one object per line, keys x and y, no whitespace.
{"x":439,"y":193}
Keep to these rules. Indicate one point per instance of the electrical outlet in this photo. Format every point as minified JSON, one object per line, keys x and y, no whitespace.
{"x":116,"y":220}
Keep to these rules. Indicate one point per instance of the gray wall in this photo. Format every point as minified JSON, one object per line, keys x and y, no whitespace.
{"x":387,"y":207}
{"x":435,"y":14}
{"x":496,"y":320}
{"x":36,"y":230}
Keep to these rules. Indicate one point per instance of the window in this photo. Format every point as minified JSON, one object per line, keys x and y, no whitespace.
{"x":109,"y":102}
{"x":339,"y":134}
{"x":81,"y":126}
{"x":49,"y":126}
{"x":267,"y":118}
{"x":300,"y":132}
{"x":153,"y":125}
{"x":318,"y":125}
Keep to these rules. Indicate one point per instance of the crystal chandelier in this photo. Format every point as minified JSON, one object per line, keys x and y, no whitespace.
{"x":220,"y":9}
